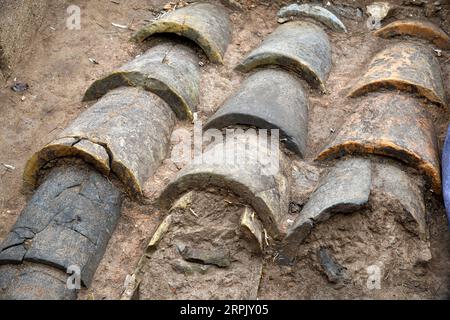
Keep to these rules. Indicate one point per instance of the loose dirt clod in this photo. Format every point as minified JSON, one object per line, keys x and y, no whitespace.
{"x":67,"y":222}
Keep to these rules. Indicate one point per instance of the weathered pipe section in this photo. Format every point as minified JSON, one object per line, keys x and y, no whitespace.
{"x":126,"y":133}
{"x":67,"y":223}
{"x":416,"y":28}
{"x":407,"y":67}
{"x":262,"y":186}
{"x":392,"y":125}
{"x":346,"y":188}
{"x":299,"y":46}
{"x":312,"y":11}
{"x":394,"y":182}
{"x":169,"y":69}
{"x":268,"y":99}
{"x":204,"y":23}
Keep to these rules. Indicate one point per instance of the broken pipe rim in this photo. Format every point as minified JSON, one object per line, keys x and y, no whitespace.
{"x":286,"y":52}
{"x":385,"y":148}
{"x":54,"y":151}
{"x":228,"y":119}
{"x":289,"y":62}
{"x":193,"y":23}
{"x":345,"y":188}
{"x":416,"y":28}
{"x":316,"y":12}
{"x":128,"y":159}
{"x":268,"y":99}
{"x":168,"y":93}
{"x":183,"y":184}
{"x":400,"y":84}
{"x":407,"y":67}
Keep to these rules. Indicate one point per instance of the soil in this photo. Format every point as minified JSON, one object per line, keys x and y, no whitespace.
{"x":233,"y":262}
{"x":18,"y":21}
{"x":58,"y":69}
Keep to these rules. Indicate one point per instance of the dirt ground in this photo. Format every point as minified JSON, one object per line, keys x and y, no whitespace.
{"x":236,"y":262}
{"x":57,"y":68}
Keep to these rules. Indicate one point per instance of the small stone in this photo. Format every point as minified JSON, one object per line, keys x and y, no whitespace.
{"x":20,"y":87}
{"x":187,"y":268}
{"x":218,"y":257}
{"x":335,"y":272}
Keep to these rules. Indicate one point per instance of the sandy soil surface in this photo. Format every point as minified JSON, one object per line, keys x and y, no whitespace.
{"x":58,"y":69}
